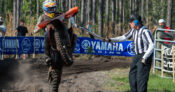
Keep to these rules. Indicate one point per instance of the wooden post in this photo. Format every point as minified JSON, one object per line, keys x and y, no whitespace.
{"x":162,"y":61}
{"x":16,"y":48}
{"x":2,"y":54}
{"x":16,"y":53}
{"x":34,"y":47}
{"x":173,"y":62}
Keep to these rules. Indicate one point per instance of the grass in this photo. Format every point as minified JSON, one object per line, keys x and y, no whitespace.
{"x":123,"y":82}
{"x":120,"y":82}
{"x":160,"y":84}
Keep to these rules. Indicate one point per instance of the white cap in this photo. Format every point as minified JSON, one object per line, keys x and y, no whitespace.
{"x":161,"y":21}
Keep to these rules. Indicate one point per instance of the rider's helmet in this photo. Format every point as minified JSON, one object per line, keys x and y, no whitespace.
{"x":49,"y":7}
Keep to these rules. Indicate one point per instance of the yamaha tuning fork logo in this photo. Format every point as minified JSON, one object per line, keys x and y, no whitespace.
{"x":130,"y":48}
{"x":37,"y":43}
{"x":85,"y":44}
{"x":26,"y":45}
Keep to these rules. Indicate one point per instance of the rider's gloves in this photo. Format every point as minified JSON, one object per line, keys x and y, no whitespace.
{"x":107,"y":40}
{"x":61,"y":17}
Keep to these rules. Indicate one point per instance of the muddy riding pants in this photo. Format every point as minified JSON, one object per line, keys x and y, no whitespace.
{"x":46,"y":44}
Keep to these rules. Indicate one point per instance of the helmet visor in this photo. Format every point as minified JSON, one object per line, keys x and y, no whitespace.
{"x":51,"y":9}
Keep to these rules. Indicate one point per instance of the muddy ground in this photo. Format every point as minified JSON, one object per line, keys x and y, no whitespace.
{"x":83,"y":76}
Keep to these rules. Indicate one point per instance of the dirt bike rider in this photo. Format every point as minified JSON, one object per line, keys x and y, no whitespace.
{"x":49,"y":7}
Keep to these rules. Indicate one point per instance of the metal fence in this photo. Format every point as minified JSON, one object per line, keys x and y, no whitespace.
{"x":164,"y":55}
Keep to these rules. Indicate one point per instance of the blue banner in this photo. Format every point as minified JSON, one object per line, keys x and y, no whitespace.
{"x":25,"y":45}
{"x":10,"y":45}
{"x":85,"y":45}
{"x":90,"y":46}
{"x":1,"y":44}
{"x":39,"y":45}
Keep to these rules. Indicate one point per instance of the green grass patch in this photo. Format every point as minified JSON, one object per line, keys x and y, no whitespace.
{"x":159,"y":84}
{"x":123,"y":83}
{"x":155,"y":84}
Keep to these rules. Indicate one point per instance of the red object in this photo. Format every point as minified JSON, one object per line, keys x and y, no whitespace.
{"x":71,"y":12}
{"x":67,"y":15}
{"x":167,"y":38}
{"x":43,"y":24}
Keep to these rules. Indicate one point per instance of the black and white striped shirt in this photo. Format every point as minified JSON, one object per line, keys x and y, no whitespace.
{"x":142,"y":38}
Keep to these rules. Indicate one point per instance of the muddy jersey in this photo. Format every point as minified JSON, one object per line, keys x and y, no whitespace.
{"x":42,"y":18}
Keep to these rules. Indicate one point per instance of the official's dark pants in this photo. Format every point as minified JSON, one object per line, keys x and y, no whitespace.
{"x":139,"y":73}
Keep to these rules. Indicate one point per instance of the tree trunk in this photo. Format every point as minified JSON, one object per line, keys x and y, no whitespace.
{"x":123,"y":11}
{"x":94,"y":11}
{"x":38,"y":8}
{"x":23,"y":13}
{"x":163,"y":9}
{"x":142,"y":8}
{"x":101,"y":2}
{"x":88,"y":10}
{"x":169,"y":16}
{"x":130,"y":3}
{"x":117,"y":28}
{"x":14,"y":14}
{"x":134,"y":6}
{"x":83,"y":12}
{"x":67,"y":5}
{"x":31,"y":8}
{"x":107,"y":18}
{"x":113,"y":15}
{"x":59,"y":4}
{"x":121,"y":16}
{"x":147,"y":13}
{"x":74,"y":3}
{"x":2,"y":7}
{"x":70,"y":6}
{"x":63,"y":5}
{"x":18,"y":11}
{"x":91,"y":10}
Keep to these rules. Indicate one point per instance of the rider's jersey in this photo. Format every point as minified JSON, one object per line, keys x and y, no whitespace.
{"x":42,"y":18}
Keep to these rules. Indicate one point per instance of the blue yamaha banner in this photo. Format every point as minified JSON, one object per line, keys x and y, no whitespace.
{"x":26,"y":45}
{"x":90,"y":46}
{"x":85,"y":45}
{"x":10,"y":45}
{"x":39,"y":45}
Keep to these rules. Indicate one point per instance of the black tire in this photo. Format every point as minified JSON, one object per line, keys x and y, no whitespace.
{"x":54,"y":79}
{"x":64,"y":47}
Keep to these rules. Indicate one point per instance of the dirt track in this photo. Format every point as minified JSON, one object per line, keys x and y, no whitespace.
{"x":83,"y":76}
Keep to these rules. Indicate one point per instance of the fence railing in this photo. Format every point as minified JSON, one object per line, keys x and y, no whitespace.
{"x":164,"y":55}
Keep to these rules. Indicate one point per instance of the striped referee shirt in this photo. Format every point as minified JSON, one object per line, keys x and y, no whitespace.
{"x":142,"y":38}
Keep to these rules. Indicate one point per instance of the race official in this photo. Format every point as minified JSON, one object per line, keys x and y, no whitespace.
{"x":143,"y":48}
